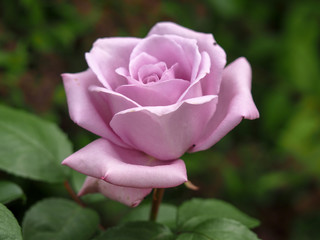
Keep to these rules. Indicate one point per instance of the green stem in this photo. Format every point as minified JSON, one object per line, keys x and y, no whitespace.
{"x":156,"y":200}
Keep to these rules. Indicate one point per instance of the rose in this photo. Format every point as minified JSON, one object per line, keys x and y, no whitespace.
{"x":151,"y":100}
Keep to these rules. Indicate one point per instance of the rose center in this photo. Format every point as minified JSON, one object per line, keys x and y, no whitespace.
{"x":151,"y":78}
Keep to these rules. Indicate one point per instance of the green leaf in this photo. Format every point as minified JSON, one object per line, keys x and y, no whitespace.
{"x":215,"y":229}
{"x":213,"y":208}
{"x":9,"y":227}
{"x":9,"y":191}
{"x":138,"y":231}
{"x":31,"y":147}
{"x":166,"y":215}
{"x":59,"y":219}
{"x":77,"y":179}
{"x":195,"y":222}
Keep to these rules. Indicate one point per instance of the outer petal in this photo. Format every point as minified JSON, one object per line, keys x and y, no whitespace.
{"x":125,"y":167}
{"x":113,"y":102}
{"x":126,"y":195}
{"x":85,"y":109}
{"x":235,"y":103}
{"x":206,"y":42}
{"x":107,"y":55}
{"x":165,"y":132}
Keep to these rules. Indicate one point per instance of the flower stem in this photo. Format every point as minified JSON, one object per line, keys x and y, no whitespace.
{"x":73,"y":194}
{"x":156,"y":200}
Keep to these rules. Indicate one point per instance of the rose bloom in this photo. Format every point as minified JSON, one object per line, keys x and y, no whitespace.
{"x":151,"y":100}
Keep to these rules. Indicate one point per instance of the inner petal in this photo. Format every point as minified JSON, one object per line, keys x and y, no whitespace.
{"x":154,"y":71}
{"x":169,"y":74}
{"x":138,"y":61}
{"x":122,"y":71}
{"x":151,"y":78}
{"x":171,"y":50}
{"x":160,"y":93}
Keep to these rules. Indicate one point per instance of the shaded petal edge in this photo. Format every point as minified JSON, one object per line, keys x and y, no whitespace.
{"x":126,"y":195}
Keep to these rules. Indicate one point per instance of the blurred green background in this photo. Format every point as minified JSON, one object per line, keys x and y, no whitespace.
{"x":269,"y":167}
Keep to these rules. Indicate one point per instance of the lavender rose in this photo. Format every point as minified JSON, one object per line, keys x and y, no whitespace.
{"x":151,"y":100}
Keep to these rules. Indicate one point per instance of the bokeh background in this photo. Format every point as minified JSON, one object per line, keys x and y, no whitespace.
{"x":269,"y":168}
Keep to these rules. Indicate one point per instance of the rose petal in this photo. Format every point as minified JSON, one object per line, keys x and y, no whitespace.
{"x":140,"y":60}
{"x":112,"y":101}
{"x":167,"y":49}
{"x":235,"y":103}
{"x":195,"y":88}
{"x":161,"y":93}
{"x":191,"y":54}
{"x":206,"y":42}
{"x":126,"y":167}
{"x":165,"y":132}
{"x":122,"y":71}
{"x":107,"y":55}
{"x":84,"y":108}
{"x":126,"y":195}
{"x":151,"y":70}
{"x":169,"y":74}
